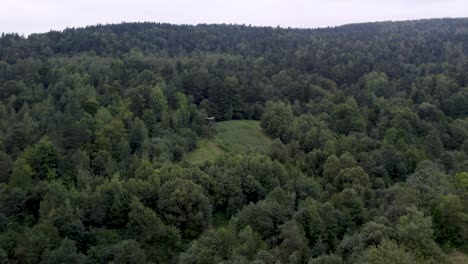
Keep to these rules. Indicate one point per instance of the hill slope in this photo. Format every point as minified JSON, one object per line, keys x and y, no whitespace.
{"x":373,"y":120}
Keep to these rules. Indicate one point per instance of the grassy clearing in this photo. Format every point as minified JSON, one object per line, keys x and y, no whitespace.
{"x":241,"y":136}
{"x":457,"y":257}
{"x":206,"y":150}
{"x":237,"y":136}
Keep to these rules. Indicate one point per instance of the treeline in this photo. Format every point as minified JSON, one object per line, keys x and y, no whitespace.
{"x":369,"y":162}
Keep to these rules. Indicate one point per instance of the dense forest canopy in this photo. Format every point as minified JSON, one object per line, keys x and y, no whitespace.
{"x":369,"y":160}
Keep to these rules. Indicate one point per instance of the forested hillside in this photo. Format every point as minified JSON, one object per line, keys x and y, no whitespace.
{"x":368,"y":164}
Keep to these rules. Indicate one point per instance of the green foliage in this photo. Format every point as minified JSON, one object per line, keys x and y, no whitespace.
{"x":347,"y":118}
{"x":462,"y":180}
{"x":160,"y":242}
{"x":387,"y":253}
{"x":326,"y":259}
{"x":125,"y":251}
{"x":5,"y":166}
{"x":451,"y":220}
{"x":293,"y":248}
{"x":65,"y":253}
{"x":40,"y":238}
{"x":3,"y":256}
{"x":347,"y":144}
{"x":416,"y":233}
{"x":183,"y":204}
{"x":377,"y":83}
{"x":22,"y":175}
{"x":44,"y":159}
{"x":276,"y":119}
{"x":208,"y":249}
{"x":430,"y":182}
{"x":224,"y":244}
{"x":240,"y":179}
{"x":111,"y":204}
{"x":250,"y":242}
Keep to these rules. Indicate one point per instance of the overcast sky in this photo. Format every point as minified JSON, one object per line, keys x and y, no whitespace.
{"x":30,"y":16}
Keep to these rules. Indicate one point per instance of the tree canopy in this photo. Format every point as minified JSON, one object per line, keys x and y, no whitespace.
{"x":368,"y":161}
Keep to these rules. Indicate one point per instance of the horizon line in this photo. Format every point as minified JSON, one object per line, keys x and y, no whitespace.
{"x":26,"y":35}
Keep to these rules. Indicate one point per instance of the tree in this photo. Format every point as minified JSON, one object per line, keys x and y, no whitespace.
{"x":429,"y":112}
{"x":5,"y":166}
{"x":250,"y":242}
{"x":276,"y":119}
{"x":377,"y":83}
{"x":138,"y":134}
{"x":331,"y":168}
{"x":347,"y":118}
{"x":40,"y":238}
{"x":416,"y":233}
{"x":451,"y":220}
{"x":267,"y":215}
{"x":368,"y":122}
{"x":461,"y":180}
{"x":125,"y":251}
{"x":44,"y":159}
{"x":279,"y":151}
{"x":294,"y":245}
{"x":375,"y":232}
{"x":209,"y":248}
{"x":389,"y":252}
{"x":110,"y":204}
{"x":183,"y":204}
{"x":354,"y":177}
{"x":326,"y":259}
{"x":102,"y":164}
{"x":145,"y":170}
{"x":220,"y":96}
{"x":430,"y":182}
{"x":434,"y":144}
{"x":22,"y":175}
{"x":56,"y":208}
{"x":3,"y":256}
{"x":160,"y":242}
{"x":65,"y":253}
{"x":110,"y":131}
{"x":350,"y":203}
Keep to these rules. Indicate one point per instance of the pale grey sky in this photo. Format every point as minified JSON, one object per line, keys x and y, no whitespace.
{"x":30,"y":16}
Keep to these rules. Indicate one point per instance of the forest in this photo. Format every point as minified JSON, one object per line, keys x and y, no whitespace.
{"x":364,"y":157}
